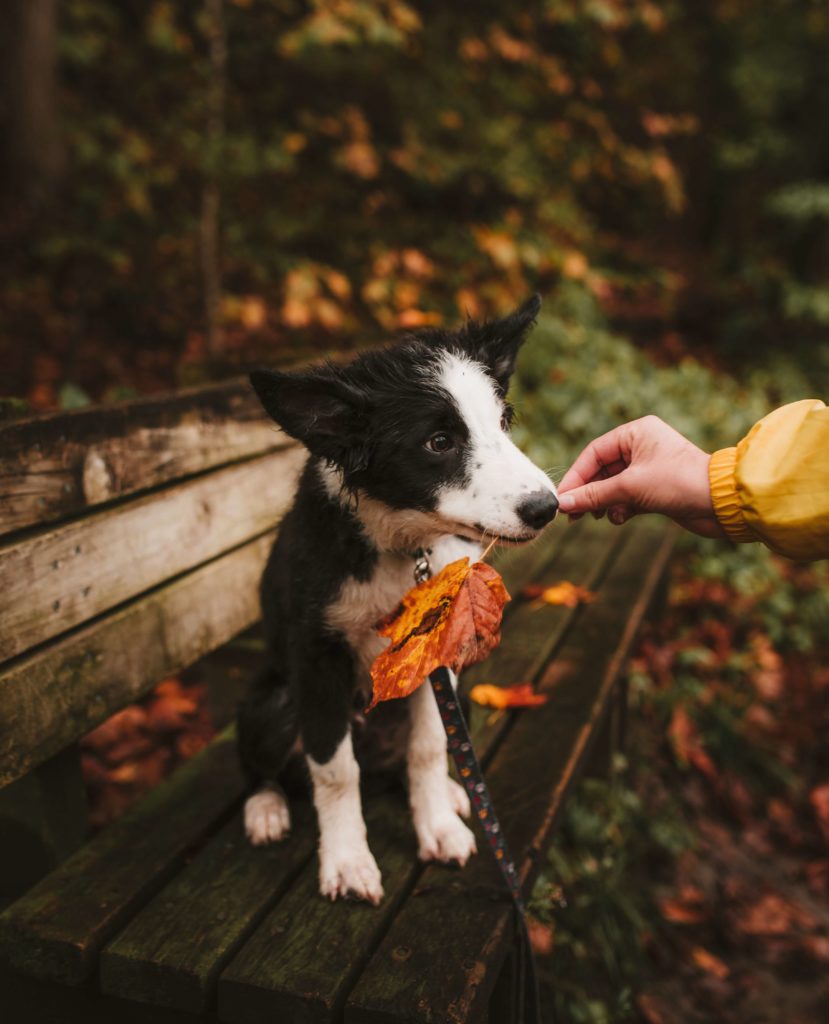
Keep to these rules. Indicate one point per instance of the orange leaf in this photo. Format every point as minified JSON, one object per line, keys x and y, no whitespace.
{"x":564,"y":593}
{"x":710,"y":963}
{"x":521,"y":695}
{"x":452,"y":619}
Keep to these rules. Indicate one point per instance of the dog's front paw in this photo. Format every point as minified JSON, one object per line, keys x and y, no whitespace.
{"x":458,"y":800}
{"x":351,"y":873}
{"x":446,"y":839}
{"x":267,"y":818}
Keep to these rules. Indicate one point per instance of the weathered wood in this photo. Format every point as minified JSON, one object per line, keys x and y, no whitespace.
{"x":172,"y":952}
{"x":55,"y":466}
{"x":61,"y":578}
{"x":459,"y":928}
{"x":303,"y":959}
{"x":55,"y":696}
{"x":43,"y":819}
{"x":55,"y":931}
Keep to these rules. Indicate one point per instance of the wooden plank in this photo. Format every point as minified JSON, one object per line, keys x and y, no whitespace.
{"x":171,"y":953}
{"x":458,"y":928}
{"x":302,"y":960}
{"x":55,"y":931}
{"x":58,"y":579}
{"x":55,"y":696}
{"x":55,"y":466}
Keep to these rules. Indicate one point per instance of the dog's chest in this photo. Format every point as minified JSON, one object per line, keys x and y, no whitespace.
{"x":361,"y":604}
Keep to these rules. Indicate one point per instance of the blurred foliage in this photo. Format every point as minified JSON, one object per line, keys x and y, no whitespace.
{"x":388,"y":164}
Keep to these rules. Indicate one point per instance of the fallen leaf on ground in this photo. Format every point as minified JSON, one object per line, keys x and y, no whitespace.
{"x":774,"y":915}
{"x":452,"y":619}
{"x":564,"y":593}
{"x":710,"y":963}
{"x":819,"y":799}
{"x":521,"y":695}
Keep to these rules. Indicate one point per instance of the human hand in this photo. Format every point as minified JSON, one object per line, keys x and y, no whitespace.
{"x":642,"y":466}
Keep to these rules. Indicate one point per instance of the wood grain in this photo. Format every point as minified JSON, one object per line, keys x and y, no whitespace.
{"x":58,"y":694}
{"x":55,"y":466}
{"x":60,"y":578}
{"x":55,"y":931}
{"x":459,"y":928}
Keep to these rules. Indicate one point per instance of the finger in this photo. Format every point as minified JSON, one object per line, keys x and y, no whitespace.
{"x":595,"y":496}
{"x":609,"y":451}
{"x":619,"y":514}
{"x":598,"y":513}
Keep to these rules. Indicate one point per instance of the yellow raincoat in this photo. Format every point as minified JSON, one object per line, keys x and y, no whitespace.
{"x":774,"y":486}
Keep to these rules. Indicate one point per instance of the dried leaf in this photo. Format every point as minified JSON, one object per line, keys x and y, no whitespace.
{"x":521,"y":695}
{"x":564,"y":593}
{"x":710,"y":963}
{"x":453,"y":619}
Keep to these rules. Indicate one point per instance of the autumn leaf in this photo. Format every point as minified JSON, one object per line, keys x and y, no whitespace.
{"x":452,"y":619}
{"x":521,"y":695}
{"x":564,"y":593}
{"x":710,"y":963}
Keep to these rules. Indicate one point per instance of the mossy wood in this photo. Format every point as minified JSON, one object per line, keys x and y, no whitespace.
{"x":62,"y":577}
{"x":459,"y":929}
{"x":52,"y":697}
{"x":55,"y":466}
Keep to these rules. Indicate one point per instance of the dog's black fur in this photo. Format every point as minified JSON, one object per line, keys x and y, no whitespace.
{"x":369,"y":419}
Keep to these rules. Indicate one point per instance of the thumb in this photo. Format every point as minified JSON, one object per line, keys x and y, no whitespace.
{"x":592,"y":497}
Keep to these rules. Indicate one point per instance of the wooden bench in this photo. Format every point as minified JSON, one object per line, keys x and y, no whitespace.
{"x":110,"y":520}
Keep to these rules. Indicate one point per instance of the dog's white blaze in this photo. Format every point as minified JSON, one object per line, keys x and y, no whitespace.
{"x":500,"y":474}
{"x":346,"y":863}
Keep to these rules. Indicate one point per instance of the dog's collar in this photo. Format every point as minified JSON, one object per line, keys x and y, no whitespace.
{"x":422,"y":565}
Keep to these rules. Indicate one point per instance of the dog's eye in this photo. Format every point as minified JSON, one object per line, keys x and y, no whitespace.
{"x":440,"y":443}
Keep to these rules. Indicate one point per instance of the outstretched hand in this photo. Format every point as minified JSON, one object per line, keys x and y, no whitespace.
{"x":642,"y":466}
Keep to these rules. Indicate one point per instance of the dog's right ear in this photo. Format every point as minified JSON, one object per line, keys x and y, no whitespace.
{"x":317,"y":408}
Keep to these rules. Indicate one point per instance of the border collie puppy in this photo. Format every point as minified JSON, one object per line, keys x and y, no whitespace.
{"x":409,"y":452}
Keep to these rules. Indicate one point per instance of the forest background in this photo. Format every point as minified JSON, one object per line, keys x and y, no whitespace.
{"x":189,"y":189}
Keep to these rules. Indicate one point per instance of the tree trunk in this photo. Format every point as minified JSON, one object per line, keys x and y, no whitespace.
{"x":31,"y":152}
{"x":210,"y":241}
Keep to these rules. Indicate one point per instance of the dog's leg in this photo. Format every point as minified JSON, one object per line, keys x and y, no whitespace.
{"x":434,"y":798}
{"x":347,"y":867}
{"x":267,"y":818}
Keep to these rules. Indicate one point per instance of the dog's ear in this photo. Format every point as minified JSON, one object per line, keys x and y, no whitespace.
{"x":496,"y":342}
{"x":317,"y":407}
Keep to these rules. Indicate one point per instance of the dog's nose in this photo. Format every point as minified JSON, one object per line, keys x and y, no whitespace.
{"x":538,"y":508}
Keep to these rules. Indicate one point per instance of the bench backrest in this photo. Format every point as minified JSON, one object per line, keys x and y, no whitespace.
{"x":132,"y":538}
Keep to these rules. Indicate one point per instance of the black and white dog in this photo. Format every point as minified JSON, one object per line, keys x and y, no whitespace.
{"x":410,"y":450}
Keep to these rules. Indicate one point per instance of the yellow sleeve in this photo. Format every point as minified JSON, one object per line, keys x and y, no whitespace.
{"x":774,"y":486}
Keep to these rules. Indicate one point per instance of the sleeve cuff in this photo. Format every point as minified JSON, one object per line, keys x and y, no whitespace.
{"x":722,"y":478}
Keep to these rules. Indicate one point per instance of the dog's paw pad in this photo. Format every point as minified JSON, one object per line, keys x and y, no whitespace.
{"x":267,"y":818}
{"x":351,"y":875}
{"x":446,"y":840}
{"x":458,"y":800}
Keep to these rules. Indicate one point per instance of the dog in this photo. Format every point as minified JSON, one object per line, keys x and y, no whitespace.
{"x":410,"y":454}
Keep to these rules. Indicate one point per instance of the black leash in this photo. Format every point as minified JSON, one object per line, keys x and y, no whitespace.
{"x":525,"y":994}
{"x":526,"y":1002}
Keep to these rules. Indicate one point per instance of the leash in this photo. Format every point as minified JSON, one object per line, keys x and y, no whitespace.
{"x":526,"y":1002}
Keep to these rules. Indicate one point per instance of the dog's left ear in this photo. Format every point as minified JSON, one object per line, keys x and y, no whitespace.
{"x":496,"y":342}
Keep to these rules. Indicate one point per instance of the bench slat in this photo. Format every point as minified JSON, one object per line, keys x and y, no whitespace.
{"x":271,"y":979}
{"x":155,"y":957}
{"x":61,"y":578}
{"x":303,"y":959}
{"x":458,"y":929}
{"x":175,"y":947}
{"x":52,"y":698}
{"x":55,"y":466}
{"x":56,"y":930}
